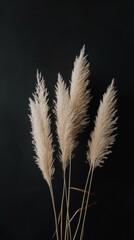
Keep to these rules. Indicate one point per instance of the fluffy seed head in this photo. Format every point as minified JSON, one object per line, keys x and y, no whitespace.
{"x":64,"y":121}
{"x":79,"y":94}
{"x":102,"y":137}
{"x":41,"y":133}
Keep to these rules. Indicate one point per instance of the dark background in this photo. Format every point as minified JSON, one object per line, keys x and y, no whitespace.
{"x":48,"y":35}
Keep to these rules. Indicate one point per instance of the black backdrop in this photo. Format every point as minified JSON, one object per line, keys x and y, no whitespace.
{"x":48,"y":35}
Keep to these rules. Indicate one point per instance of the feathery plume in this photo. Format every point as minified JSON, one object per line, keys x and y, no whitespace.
{"x":79,"y":94}
{"x":64,"y":121}
{"x":102,"y":138}
{"x":41,"y":133}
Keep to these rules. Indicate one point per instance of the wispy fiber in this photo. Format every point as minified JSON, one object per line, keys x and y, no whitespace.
{"x":64,"y":121}
{"x":102,"y":137}
{"x":42,"y":138}
{"x":71,"y":107}
{"x":79,"y":92}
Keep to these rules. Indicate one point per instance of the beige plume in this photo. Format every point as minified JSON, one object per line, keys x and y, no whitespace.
{"x":79,"y":94}
{"x":71,"y":107}
{"x":102,"y":138}
{"x":41,"y":133}
{"x":64,"y":121}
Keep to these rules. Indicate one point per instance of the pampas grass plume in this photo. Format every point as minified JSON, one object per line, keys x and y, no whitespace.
{"x":102,"y":137}
{"x":71,"y":107}
{"x":79,"y":94}
{"x":40,"y":122}
{"x":64,"y":121}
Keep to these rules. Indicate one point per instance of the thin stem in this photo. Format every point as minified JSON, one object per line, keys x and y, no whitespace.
{"x":78,"y":210}
{"x":81,"y":190}
{"x":68,"y":200}
{"x":61,"y":211}
{"x":67,"y":214}
{"x":90,"y":183}
{"x":82,"y":205}
{"x":54,"y":210}
{"x":69,"y":185}
{"x":65,"y":190}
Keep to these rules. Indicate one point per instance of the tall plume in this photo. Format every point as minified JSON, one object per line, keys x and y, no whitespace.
{"x":64,"y":121}
{"x":71,"y":107}
{"x":41,"y":133}
{"x":79,"y":94}
{"x":102,"y":137}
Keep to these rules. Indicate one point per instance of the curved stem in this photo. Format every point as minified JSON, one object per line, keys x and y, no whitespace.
{"x":82,"y":229}
{"x":82,"y":205}
{"x":78,"y":210}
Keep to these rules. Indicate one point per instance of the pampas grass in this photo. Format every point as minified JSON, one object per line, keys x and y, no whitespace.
{"x":64,"y":122}
{"x":102,"y":137}
{"x":70,"y":109}
{"x":79,"y":92}
{"x":41,"y":132}
{"x":42,"y":137}
{"x":72,"y":105}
